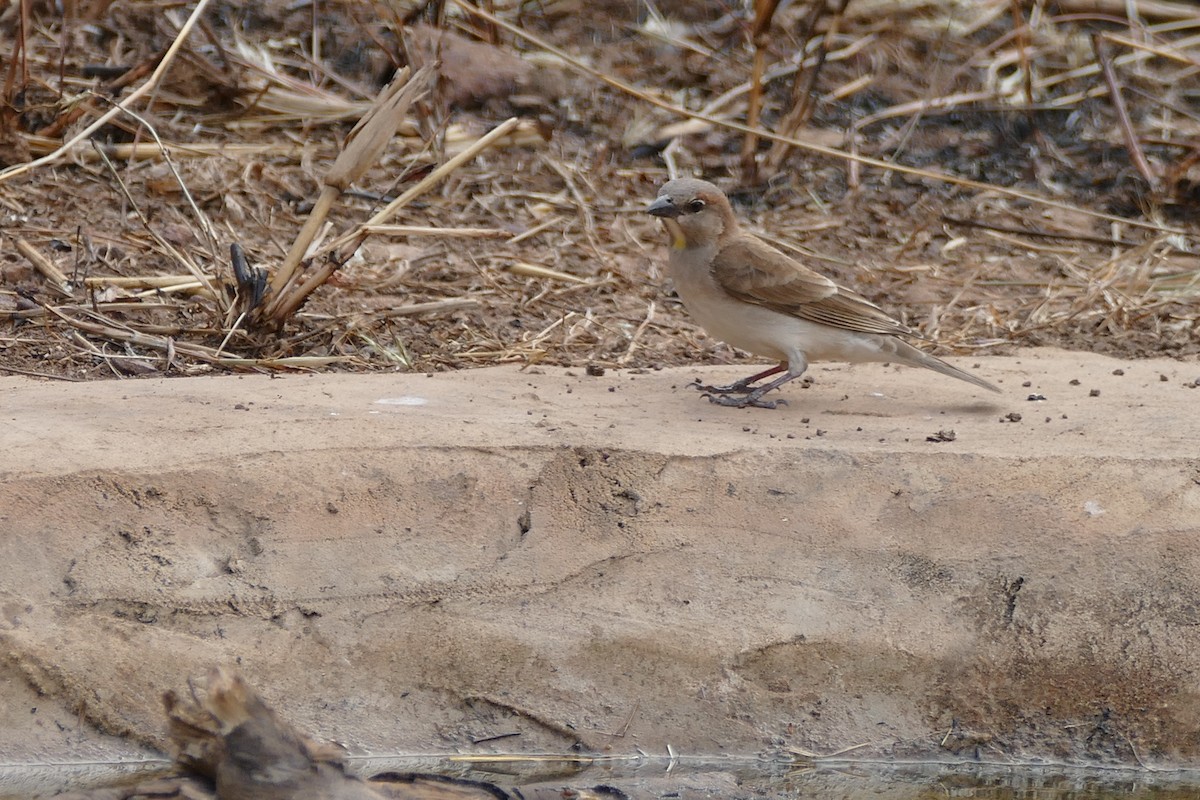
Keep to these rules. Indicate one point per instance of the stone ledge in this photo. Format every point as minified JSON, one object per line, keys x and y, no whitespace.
{"x":496,"y":552}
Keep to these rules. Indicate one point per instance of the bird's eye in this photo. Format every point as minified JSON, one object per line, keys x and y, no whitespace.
{"x":695,"y":206}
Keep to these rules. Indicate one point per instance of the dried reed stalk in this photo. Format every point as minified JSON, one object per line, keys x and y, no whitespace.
{"x":338,"y":251}
{"x":366,"y":143}
{"x":57,"y":280}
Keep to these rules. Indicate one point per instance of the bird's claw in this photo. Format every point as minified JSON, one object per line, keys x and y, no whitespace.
{"x":733,"y":388}
{"x":744,"y":401}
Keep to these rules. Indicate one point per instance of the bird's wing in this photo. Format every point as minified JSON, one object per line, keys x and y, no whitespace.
{"x":753,"y":271}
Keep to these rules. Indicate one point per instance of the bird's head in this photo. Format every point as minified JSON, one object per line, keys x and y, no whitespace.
{"x":695,"y":212}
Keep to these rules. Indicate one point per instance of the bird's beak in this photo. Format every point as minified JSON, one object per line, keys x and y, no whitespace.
{"x":663,"y":207}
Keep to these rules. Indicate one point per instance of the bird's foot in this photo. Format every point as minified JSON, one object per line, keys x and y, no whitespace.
{"x":753,"y":399}
{"x":738,"y":387}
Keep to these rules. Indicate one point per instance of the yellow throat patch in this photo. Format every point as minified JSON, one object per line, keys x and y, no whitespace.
{"x":678,"y":240}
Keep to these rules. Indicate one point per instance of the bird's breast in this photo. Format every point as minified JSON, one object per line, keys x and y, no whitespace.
{"x":743,"y":325}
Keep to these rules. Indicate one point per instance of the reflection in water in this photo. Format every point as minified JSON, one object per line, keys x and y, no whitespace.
{"x":692,"y":778}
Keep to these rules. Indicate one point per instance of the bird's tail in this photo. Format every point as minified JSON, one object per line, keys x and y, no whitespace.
{"x":905,"y":353}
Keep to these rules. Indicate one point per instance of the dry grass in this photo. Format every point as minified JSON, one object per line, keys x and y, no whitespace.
{"x":998,"y":172}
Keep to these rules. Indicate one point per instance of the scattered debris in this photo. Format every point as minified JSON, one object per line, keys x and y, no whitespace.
{"x":535,"y":251}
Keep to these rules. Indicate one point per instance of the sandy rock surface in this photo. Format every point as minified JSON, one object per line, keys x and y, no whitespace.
{"x":407,"y":563}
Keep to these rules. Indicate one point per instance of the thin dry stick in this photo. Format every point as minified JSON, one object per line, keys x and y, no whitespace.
{"x":206,"y":226}
{"x":585,"y":211}
{"x":1147,"y":8}
{"x":1041,"y":234}
{"x":150,"y":85}
{"x":804,"y":86}
{"x":179,"y":255}
{"x":336,"y":252}
{"x":535,"y":230}
{"x":426,"y":230}
{"x":830,"y":152}
{"x":127,"y":151}
{"x":1021,"y":28}
{"x":697,"y":125}
{"x":138,"y":282}
{"x":637,"y":335}
{"x":369,"y":138}
{"x":1090,"y":69}
{"x":18,"y":58}
{"x":196,"y":351}
{"x":449,"y":304}
{"x":424,"y":185}
{"x":1161,"y":51}
{"x":1104,"y":56}
{"x":57,"y":280}
{"x":760,"y":38}
{"x":538,"y":271}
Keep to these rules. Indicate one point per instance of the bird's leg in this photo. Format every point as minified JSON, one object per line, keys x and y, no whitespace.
{"x":740,"y":386}
{"x":754,"y":398}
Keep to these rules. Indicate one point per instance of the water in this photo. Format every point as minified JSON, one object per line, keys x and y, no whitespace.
{"x":691,"y":778}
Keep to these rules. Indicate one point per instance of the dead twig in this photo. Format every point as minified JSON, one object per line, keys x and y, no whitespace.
{"x":53,"y":275}
{"x":760,"y":40}
{"x":830,"y":152}
{"x":804,"y":85}
{"x":1136,"y":155}
{"x":367,"y":142}
{"x":146,"y":88}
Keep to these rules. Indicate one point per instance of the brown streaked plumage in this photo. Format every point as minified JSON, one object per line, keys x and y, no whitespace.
{"x":749,"y":294}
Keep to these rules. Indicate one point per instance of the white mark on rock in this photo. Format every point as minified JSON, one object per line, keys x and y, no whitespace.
{"x":1093,"y":508}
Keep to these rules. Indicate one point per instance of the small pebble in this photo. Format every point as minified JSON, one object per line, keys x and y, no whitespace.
{"x":1163,"y":378}
{"x":1074,"y":381}
{"x":1118,"y":372}
{"x":595,"y":370}
{"x":1094,"y":393}
{"x":1027,"y":384}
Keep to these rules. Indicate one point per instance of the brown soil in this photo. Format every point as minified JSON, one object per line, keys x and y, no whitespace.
{"x":978,"y":271}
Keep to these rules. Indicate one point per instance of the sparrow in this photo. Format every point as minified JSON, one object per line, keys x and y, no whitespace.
{"x":747,"y":293}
